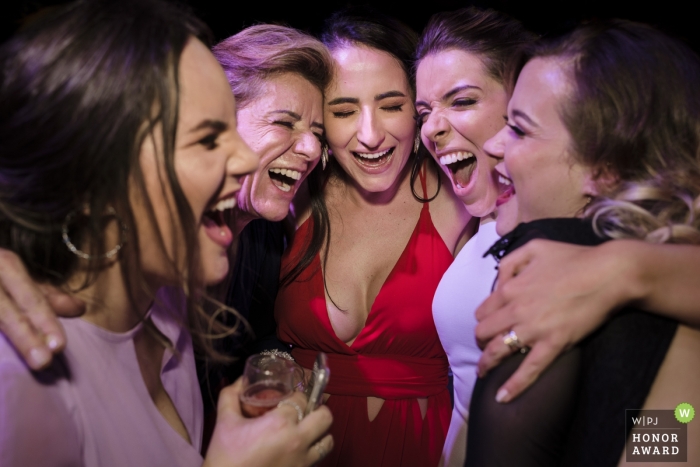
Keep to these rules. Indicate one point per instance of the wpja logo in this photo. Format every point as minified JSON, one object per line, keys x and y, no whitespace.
{"x":658,"y":435}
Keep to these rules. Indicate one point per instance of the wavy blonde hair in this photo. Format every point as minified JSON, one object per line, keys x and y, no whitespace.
{"x":663,"y":209}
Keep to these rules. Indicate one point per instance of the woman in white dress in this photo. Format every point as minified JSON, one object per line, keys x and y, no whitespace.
{"x":462,"y":94}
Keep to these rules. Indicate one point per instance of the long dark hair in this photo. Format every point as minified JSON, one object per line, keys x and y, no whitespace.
{"x":366,"y":27}
{"x":634,"y":119}
{"x":81,"y":89}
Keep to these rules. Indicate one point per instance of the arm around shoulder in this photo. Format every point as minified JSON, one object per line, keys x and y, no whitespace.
{"x":540,"y":280}
{"x":664,"y":279}
{"x":28,"y":312}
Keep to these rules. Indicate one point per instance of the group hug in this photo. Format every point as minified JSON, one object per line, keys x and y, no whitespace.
{"x":494,"y":237}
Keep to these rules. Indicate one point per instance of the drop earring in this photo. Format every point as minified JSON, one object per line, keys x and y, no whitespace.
{"x":324,"y":157}
{"x":416,"y":144}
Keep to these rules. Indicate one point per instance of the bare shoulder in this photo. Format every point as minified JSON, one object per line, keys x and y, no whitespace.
{"x":676,"y":382}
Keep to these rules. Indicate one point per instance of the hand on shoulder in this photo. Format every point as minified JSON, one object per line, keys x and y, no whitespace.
{"x":28,"y":312}
{"x":551,"y":295}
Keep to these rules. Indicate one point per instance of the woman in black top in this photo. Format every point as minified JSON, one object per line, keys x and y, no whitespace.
{"x":587,"y":136}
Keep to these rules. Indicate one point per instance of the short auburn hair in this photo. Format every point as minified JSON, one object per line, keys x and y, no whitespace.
{"x":265,"y":50}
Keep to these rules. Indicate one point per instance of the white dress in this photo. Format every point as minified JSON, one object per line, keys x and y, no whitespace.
{"x":465,"y":285}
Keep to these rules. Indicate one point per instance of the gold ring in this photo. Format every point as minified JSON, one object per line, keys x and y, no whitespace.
{"x":512,"y":341}
{"x":300,"y":413}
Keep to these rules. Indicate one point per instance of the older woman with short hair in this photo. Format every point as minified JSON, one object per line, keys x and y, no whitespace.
{"x":277,"y":75}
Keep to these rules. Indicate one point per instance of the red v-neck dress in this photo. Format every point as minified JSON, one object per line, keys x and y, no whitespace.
{"x":397,"y":356}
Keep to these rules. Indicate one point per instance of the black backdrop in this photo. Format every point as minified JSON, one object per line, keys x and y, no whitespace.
{"x":548,"y":16}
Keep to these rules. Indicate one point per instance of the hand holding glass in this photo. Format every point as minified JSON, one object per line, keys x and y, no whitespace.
{"x":267,"y":380}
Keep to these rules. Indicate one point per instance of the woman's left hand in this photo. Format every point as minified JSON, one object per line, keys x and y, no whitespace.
{"x":551,"y":295}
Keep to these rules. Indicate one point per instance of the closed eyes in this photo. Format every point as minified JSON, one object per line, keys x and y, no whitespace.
{"x":516,"y":130}
{"x":393,"y":108}
{"x":464,"y":102}
{"x":210,"y":141}
{"x":343,"y":113}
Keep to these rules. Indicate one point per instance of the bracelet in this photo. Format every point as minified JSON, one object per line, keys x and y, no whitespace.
{"x":278,"y":353}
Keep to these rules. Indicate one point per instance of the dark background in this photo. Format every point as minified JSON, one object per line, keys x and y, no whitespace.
{"x":227,"y":17}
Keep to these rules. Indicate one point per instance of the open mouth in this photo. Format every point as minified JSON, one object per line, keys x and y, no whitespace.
{"x":374,"y":159}
{"x":284,"y":179}
{"x":461,"y":165}
{"x":506,"y":189}
{"x":217,"y":219}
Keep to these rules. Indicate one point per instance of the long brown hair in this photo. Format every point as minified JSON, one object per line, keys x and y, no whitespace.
{"x":81,"y":89}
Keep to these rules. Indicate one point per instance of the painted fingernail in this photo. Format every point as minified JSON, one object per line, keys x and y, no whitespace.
{"x":52,"y":342}
{"x":39,"y":357}
{"x":502,"y":395}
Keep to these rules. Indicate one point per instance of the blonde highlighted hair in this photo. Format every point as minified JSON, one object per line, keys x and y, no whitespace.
{"x":658,"y":210}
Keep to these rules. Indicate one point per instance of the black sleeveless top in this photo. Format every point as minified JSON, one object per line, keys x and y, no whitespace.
{"x":574,"y":415}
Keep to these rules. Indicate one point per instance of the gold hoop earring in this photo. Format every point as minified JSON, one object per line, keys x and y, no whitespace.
{"x":416,"y":144}
{"x":324,"y":157}
{"x":76,"y":251}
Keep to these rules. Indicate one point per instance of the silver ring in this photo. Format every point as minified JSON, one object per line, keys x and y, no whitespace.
{"x":300,"y":413}
{"x":321,"y":450}
{"x":512,"y":341}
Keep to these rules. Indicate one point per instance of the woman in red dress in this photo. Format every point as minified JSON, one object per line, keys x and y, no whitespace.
{"x":374,"y":238}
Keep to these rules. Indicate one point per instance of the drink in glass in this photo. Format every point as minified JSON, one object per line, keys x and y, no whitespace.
{"x":267,"y":380}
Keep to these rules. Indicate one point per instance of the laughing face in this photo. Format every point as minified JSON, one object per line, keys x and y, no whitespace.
{"x":284,"y":127}
{"x":369,"y":117}
{"x":537,"y":170}
{"x":460,"y":107}
{"x":210,"y":157}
